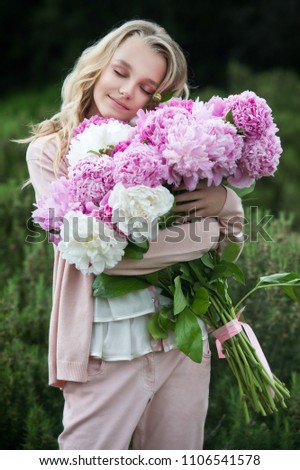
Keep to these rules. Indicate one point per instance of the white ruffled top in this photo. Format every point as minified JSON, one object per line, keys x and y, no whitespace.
{"x":120,"y":326}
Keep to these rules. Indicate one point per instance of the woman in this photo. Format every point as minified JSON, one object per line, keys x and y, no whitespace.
{"x":118,"y":384}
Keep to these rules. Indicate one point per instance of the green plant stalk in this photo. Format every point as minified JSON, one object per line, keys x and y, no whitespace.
{"x":243,"y":370}
{"x":264,"y":380}
{"x":237,"y":353}
{"x":257,"y":287}
{"x":240,"y":387}
{"x":256,"y":386}
{"x":246,"y":373}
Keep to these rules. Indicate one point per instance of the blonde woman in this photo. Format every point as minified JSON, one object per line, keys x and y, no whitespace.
{"x":119,"y":385}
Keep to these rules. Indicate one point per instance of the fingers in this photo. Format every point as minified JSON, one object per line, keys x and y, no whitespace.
{"x":204,"y":201}
{"x":201,"y":185}
{"x":188,"y":206}
{"x":186,"y":197}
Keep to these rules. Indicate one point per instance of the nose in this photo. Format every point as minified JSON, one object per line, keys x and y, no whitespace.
{"x":126,"y":90}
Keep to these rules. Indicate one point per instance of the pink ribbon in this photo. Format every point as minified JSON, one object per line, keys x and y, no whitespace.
{"x":226,"y":332}
{"x":231,"y":329}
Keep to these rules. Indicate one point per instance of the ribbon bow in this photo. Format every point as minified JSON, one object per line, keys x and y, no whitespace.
{"x":231,"y":329}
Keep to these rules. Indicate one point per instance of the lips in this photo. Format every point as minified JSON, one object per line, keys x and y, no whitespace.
{"x":118,"y":103}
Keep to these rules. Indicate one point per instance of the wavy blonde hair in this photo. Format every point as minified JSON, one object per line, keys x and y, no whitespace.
{"x":77,"y":90}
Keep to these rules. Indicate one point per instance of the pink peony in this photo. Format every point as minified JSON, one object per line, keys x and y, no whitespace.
{"x":262,"y":149}
{"x":217,"y":106}
{"x":197,"y":149}
{"x":139,"y":164}
{"x":153,"y":126}
{"x":226,"y":150}
{"x":186,"y":153}
{"x":250,"y":113}
{"x":52,"y":209}
{"x":91,"y":178}
{"x":260,"y":158}
{"x":120,"y":147}
{"x":179,"y":103}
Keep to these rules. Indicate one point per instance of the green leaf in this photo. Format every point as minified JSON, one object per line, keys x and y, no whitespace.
{"x":180,"y":301}
{"x":293,"y":292}
{"x":195,"y":266}
{"x":105,"y":286}
{"x":152,"y":278}
{"x":241,"y":192}
{"x":230,"y":252}
{"x":221,"y":288}
{"x":226,"y":269}
{"x":164,"y":320}
{"x":201,"y":301}
{"x":136,"y":250}
{"x":189,"y":335}
{"x":229,"y":117}
{"x":280,"y":278}
{"x":208,"y":260}
{"x":185,"y":273}
{"x":154,"y":328}
{"x":167,"y":96}
{"x":142,"y":246}
{"x":288,"y":282}
{"x":133,"y":253}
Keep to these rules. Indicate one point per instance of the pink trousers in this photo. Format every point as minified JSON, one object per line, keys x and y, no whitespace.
{"x":158,"y":401}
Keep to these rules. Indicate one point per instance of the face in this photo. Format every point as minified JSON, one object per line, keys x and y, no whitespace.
{"x":128,"y":81}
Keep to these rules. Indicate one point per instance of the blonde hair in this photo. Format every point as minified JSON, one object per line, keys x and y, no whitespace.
{"x":77,"y":90}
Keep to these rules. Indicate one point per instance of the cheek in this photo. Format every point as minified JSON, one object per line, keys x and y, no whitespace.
{"x":101,"y":85}
{"x":96,"y":91}
{"x":142,"y":101}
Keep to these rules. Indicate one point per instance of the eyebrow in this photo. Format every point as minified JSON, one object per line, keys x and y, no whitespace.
{"x":126,"y":64}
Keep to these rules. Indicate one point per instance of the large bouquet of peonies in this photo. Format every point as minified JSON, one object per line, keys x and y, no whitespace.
{"x":118,"y":193}
{"x":118,"y":186}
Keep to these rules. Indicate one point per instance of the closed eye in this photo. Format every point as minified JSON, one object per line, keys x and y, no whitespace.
{"x":146,"y":91}
{"x":119,"y":73}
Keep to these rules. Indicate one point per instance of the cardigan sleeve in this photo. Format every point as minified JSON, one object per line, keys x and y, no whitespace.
{"x":40,"y":158}
{"x":189,"y":241}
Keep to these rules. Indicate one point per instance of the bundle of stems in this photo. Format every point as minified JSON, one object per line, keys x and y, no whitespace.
{"x":200,"y":289}
{"x":258,"y":387}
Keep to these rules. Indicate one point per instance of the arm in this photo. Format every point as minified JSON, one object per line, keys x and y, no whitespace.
{"x":231,"y":221}
{"x":186,"y":242}
{"x":40,"y":157}
{"x":175,"y":244}
{"x":217,"y":201}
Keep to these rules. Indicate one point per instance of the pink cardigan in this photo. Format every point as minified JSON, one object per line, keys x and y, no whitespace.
{"x":73,"y":304}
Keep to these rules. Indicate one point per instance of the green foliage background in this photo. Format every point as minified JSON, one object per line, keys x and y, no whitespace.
{"x":30,"y":415}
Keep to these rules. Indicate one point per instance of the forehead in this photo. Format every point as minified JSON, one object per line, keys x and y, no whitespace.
{"x":141,"y":58}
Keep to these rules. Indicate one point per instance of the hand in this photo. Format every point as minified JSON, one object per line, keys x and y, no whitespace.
{"x":204,"y":201}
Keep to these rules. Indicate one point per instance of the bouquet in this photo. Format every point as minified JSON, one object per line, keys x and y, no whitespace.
{"x":200,"y":289}
{"x":118,"y":193}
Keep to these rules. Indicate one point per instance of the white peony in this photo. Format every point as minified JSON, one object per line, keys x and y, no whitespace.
{"x":96,"y":138}
{"x":136,"y":210}
{"x":89,"y":243}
